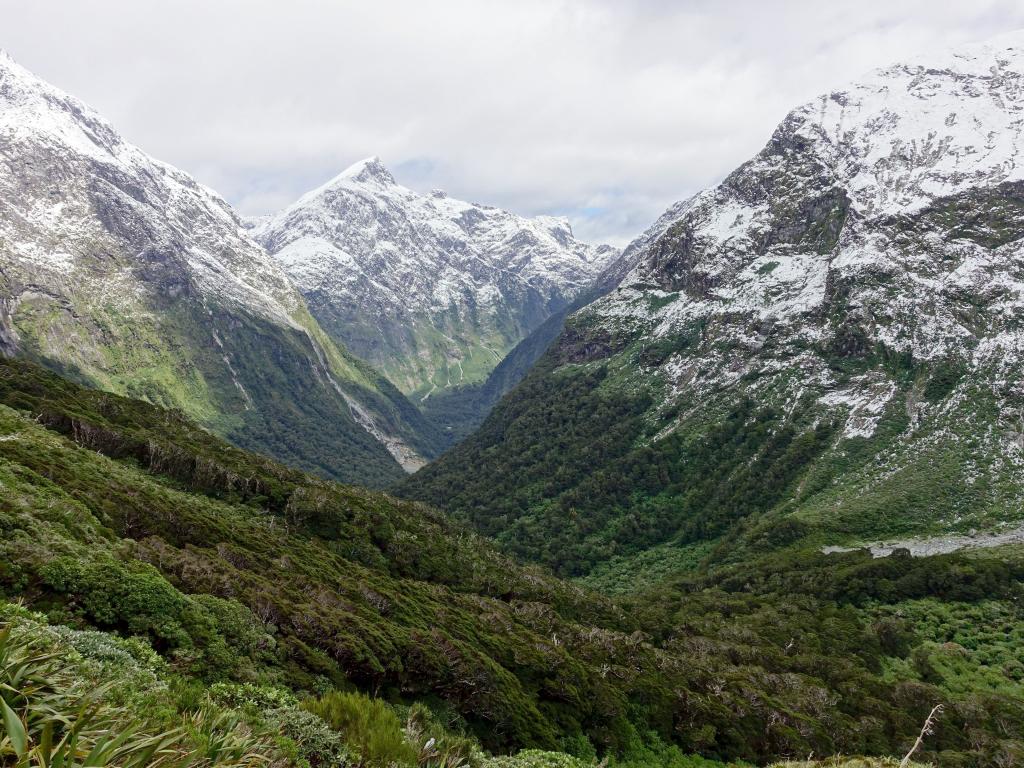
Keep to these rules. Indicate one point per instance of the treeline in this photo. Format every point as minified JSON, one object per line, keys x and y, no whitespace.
{"x":566,"y":472}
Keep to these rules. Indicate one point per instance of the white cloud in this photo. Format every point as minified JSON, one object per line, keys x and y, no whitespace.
{"x":606,"y":111}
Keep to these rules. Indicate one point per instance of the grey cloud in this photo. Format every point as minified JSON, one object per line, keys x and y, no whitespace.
{"x":605,"y":110}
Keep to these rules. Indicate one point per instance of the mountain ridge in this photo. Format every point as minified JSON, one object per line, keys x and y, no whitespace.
{"x":432,"y":290}
{"x":823,"y":348}
{"x":124,"y":272}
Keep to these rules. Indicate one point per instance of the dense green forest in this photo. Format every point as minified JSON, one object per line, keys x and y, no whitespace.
{"x":560,"y":473}
{"x":457,"y":413}
{"x":589,"y":467}
{"x":282,"y":614}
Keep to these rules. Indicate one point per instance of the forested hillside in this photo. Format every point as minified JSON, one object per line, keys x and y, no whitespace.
{"x":123,"y":517}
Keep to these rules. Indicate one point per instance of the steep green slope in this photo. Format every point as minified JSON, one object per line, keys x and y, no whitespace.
{"x":587,"y":461}
{"x":456,"y":413}
{"x":459,"y":411}
{"x":277,"y":396}
{"x":118,"y":515}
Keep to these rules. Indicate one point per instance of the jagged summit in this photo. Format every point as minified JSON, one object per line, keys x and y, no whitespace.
{"x":11,"y":65}
{"x":8,"y":63}
{"x":432,"y":289}
{"x":369,"y":170}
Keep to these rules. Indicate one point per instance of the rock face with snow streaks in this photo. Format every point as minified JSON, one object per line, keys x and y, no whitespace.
{"x":883,"y":218}
{"x":124,"y":272}
{"x":431,"y":290}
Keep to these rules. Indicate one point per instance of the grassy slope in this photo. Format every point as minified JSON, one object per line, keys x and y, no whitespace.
{"x":271,"y":396}
{"x":458,"y":412}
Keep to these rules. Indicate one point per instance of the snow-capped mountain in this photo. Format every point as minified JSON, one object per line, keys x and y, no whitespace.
{"x":125,"y":272}
{"x":852,"y":299}
{"x":432,"y":290}
{"x":886,"y":214}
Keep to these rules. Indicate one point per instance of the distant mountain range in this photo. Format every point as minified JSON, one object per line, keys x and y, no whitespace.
{"x":431,"y":290}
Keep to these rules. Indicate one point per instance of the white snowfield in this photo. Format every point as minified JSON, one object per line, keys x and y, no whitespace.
{"x":930,"y":128}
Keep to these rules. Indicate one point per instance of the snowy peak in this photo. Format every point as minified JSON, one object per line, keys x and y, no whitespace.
{"x":433,"y":289}
{"x":369,"y":175}
{"x":105,"y":180}
{"x":128,"y":271}
{"x":12,"y":75}
{"x":367,"y":171}
{"x":400,"y":214}
{"x":904,"y":141}
{"x":912,"y":132}
{"x":31,"y":105}
{"x":882,"y":221}
{"x":370,"y":169}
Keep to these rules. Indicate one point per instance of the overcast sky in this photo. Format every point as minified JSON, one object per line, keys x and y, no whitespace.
{"x":605,"y":111}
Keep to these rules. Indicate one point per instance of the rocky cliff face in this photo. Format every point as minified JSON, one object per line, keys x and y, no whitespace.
{"x":432,"y":290}
{"x":852,"y":297}
{"x":126,"y":273}
{"x":881,"y":219}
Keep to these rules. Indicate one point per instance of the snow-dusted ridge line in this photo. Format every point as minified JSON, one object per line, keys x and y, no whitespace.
{"x":32,"y":110}
{"x":899,"y":139}
{"x":425,"y":286}
{"x":112,"y":262}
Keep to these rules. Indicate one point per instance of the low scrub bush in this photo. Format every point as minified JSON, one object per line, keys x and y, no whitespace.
{"x":368,"y":725}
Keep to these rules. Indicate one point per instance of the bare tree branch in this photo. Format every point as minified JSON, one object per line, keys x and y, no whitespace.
{"x":926,"y":730}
